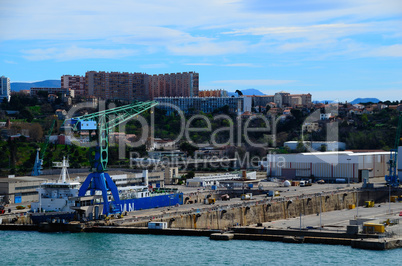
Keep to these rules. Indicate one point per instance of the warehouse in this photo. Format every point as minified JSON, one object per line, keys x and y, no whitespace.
{"x":20,"y":189}
{"x":344,"y":166}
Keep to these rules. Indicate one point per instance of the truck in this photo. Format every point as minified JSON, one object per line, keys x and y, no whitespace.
{"x":247,"y":196}
{"x":305,"y":183}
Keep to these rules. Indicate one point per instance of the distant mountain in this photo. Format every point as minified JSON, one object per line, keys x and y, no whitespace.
{"x":364,"y":100}
{"x":17,"y":86}
{"x":247,"y":92}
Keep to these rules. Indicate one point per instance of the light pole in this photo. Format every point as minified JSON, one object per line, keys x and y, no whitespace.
{"x":320,"y":211}
{"x":348,"y":174}
{"x":389,"y":199}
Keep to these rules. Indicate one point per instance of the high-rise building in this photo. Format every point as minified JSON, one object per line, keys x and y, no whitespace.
{"x":184,"y":84}
{"x":116,"y":85}
{"x":76,"y":83}
{"x":5,"y":89}
{"x":140,"y":86}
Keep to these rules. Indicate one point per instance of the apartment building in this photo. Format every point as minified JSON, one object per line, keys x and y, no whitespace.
{"x":184,"y":84}
{"x":140,"y":86}
{"x":5,"y":88}
{"x":34,"y":91}
{"x":283,"y":99}
{"x":213,"y":93}
{"x":236,"y":105}
{"x":76,"y":83}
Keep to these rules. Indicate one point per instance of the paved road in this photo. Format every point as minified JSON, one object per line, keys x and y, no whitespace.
{"x":338,"y":220}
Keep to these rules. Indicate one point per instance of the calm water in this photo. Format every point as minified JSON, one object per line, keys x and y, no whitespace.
{"x":34,"y":248}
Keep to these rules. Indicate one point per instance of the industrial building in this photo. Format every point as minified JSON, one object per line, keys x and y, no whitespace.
{"x":214,"y":180}
{"x":20,"y":189}
{"x":331,"y":166}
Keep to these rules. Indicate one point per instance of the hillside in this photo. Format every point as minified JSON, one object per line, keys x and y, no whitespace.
{"x":17,"y":86}
{"x":364,"y":100}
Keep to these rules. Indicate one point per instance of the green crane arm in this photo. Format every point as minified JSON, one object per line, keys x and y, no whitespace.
{"x":115,"y":116}
{"x":103,"y":121}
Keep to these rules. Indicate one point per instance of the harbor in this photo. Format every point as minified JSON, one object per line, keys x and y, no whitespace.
{"x":325,"y":214}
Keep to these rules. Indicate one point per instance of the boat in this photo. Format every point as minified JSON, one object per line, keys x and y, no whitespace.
{"x":55,"y":198}
{"x":131,"y":198}
{"x":60,"y":200}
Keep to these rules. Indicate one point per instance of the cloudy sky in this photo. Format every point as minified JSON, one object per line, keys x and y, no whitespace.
{"x":336,"y":50}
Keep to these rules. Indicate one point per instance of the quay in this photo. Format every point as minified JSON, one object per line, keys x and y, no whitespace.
{"x":318,"y":214}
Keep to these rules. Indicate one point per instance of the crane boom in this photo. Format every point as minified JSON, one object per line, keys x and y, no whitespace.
{"x":39,"y":157}
{"x":101,"y":123}
{"x":392,"y":179}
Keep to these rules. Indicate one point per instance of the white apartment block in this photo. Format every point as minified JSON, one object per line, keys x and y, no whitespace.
{"x":236,"y":105}
{"x":5,"y":89}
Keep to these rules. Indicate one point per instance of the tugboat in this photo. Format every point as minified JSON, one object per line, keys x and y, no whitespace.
{"x":54,"y":198}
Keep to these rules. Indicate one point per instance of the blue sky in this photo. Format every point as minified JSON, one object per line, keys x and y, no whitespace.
{"x":335,"y":50}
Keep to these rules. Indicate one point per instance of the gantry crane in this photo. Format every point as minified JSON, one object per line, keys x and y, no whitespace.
{"x":392,"y":179}
{"x":40,"y":156}
{"x":101,"y":123}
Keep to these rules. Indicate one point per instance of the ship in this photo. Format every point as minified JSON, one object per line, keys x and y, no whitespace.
{"x":133,"y":198}
{"x":55,"y":197}
{"x":60,"y":200}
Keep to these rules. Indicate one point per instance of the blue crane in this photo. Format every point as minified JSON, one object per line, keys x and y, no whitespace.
{"x":37,"y":170}
{"x":392,"y":178}
{"x":101,"y":123}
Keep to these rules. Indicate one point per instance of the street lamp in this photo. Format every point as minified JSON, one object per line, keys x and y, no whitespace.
{"x":348,"y":174}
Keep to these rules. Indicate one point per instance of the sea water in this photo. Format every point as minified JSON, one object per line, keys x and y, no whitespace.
{"x":34,"y":248}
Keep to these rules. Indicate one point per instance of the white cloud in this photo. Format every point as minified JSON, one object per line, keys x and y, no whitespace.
{"x":209,"y":48}
{"x":10,"y":62}
{"x":387,"y":51}
{"x":74,"y":52}
{"x":254,"y":82}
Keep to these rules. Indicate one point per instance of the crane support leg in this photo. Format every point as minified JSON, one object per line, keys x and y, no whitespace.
{"x":102,"y":182}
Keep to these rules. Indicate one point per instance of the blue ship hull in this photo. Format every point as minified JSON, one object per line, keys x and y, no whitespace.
{"x":151,"y":202}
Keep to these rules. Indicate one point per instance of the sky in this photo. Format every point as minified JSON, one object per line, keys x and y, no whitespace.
{"x":336,"y":50}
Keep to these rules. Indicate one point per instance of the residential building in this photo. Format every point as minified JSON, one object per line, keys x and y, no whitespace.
{"x":140,"y":86}
{"x":5,"y":89}
{"x":283,"y":99}
{"x":184,"y":84}
{"x":236,"y":105}
{"x":116,"y":85}
{"x":213,"y":93}
{"x":34,"y":91}
{"x":76,"y":83}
